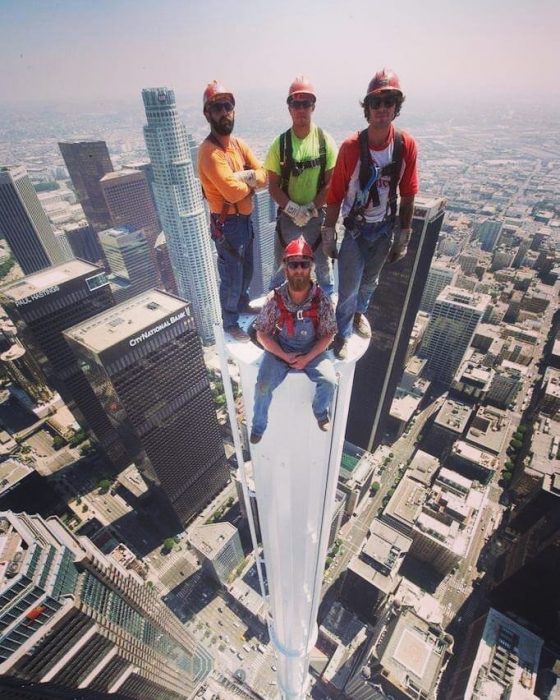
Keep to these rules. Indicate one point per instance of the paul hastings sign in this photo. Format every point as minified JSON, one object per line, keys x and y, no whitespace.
{"x":37,"y":295}
{"x":156,"y":329}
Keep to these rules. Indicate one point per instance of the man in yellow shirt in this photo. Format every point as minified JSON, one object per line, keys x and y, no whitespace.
{"x":229,"y":174}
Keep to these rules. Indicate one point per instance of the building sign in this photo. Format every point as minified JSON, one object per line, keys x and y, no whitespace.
{"x":37,"y":295}
{"x":156,"y":329}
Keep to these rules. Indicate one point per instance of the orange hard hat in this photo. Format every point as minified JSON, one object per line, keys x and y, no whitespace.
{"x":300,"y":85}
{"x":215,"y":91}
{"x":384,"y":80}
{"x":297,"y":248}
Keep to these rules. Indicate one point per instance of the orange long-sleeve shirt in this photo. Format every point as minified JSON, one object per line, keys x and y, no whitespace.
{"x":216,"y":167}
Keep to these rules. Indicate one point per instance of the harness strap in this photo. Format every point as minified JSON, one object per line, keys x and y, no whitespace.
{"x":288,"y":318}
{"x":290,"y":167}
{"x":370,"y":173}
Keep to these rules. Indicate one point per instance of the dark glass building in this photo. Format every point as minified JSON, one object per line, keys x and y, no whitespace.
{"x":87,"y":163}
{"x":84,"y":243}
{"x":144,"y":360}
{"x":391,"y":315}
{"x":42,"y":306}
{"x":24,"y":224}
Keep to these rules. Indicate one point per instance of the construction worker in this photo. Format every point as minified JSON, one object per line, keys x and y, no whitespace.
{"x":295,"y":328}
{"x":371,"y":166}
{"x":299,"y":165}
{"x":229,"y":173}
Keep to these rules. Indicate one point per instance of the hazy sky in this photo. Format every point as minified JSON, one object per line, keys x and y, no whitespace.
{"x":103,"y":49}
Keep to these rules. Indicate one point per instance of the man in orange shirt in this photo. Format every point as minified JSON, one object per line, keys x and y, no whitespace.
{"x":229,"y":174}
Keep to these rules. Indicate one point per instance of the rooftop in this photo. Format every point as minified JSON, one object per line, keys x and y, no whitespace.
{"x":474,"y":455}
{"x":423,"y":467}
{"x":45,"y":280}
{"x":489,"y":429}
{"x":129,"y":320}
{"x":506,"y":662}
{"x":119,"y":175}
{"x":454,"y":416}
{"x":11,"y":473}
{"x":211,"y":539}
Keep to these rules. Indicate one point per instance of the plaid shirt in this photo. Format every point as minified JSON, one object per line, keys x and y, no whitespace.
{"x":270,"y":314}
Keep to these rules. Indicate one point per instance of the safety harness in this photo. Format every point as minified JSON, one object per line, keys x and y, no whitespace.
{"x":290,"y":167}
{"x":288,"y":318}
{"x":217,"y":221}
{"x":368,"y":178}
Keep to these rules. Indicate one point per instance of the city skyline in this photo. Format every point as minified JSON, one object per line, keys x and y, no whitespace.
{"x":476,"y":50}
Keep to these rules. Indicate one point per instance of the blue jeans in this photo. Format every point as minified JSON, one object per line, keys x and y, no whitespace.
{"x":273,"y":371}
{"x":311,"y":233}
{"x":360,"y":262}
{"x":235,"y":267}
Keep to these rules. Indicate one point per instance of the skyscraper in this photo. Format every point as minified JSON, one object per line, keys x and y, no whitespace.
{"x":454,"y":320}
{"x":84,"y":242}
{"x":144,"y":359}
{"x":24,"y":224}
{"x":489,"y":233}
{"x":74,"y":617}
{"x":181,"y":208}
{"x":129,"y":256}
{"x":391,"y":315}
{"x":87,"y":163}
{"x":264,"y":225}
{"x":42,"y":306}
{"x":129,"y":201}
{"x":440,"y":275}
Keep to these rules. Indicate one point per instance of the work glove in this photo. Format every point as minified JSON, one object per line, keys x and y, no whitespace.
{"x":400,"y":245}
{"x":312,"y":209}
{"x":328,"y":241}
{"x":299,"y":214}
{"x":248,"y":177}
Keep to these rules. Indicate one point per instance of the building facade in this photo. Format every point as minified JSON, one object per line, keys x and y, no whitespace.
{"x":264,"y":227}
{"x":24,"y":224}
{"x":456,"y":316}
{"x":87,"y":162}
{"x":181,"y":208}
{"x":144,"y":360}
{"x":391,"y":315}
{"x":74,"y":617}
{"x":130,"y":259}
{"x":42,"y":306}
{"x":440,"y":275}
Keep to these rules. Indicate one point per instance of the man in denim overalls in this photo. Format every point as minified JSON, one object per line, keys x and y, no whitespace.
{"x":295,"y":327}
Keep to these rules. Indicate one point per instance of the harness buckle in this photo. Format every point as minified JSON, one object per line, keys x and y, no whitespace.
{"x":299,"y":315}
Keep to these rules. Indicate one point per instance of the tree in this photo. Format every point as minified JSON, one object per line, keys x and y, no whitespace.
{"x":516,"y":444}
{"x":58,"y":442}
{"x":506,"y":476}
{"x":104,"y":485}
{"x":375,"y":487}
{"x":168,"y":544}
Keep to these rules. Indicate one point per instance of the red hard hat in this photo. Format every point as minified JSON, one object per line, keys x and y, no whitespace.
{"x":214,"y":91}
{"x":385,"y":79}
{"x":301,"y":84}
{"x":298,"y":248}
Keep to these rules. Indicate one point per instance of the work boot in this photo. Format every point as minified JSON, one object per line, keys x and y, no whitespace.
{"x":324,"y":424}
{"x":237,"y":334}
{"x":255,"y":438}
{"x":361,"y":326}
{"x":340,"y":347}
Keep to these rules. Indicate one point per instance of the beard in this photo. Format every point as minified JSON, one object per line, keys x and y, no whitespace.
{"x":298,"y":284}
{"x":223,"y":125}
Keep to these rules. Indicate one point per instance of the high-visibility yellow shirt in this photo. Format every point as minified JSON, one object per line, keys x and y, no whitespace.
{"x":216,"y":168}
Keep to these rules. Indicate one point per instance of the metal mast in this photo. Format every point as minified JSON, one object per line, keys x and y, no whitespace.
{"x":295,"y":469}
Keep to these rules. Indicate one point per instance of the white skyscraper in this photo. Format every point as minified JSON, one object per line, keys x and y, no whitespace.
{"x":181,"y":208}
{"x":455,"y":317}
{"x":440,"y":275}
{"x":264,"y":225}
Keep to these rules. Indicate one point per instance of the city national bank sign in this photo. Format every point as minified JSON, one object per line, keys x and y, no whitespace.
{"x":156,"y":329}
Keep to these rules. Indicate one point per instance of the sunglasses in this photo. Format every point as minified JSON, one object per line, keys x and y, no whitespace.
{"x":221,"y":106}
{"x":376,"y":102}
{"x":294,"y":264}
{"x":301,"y":104}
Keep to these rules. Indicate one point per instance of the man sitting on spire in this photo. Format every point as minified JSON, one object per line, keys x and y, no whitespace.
{"x":295,"y":327}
